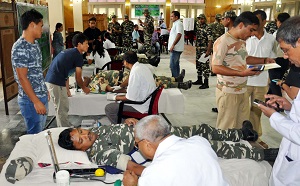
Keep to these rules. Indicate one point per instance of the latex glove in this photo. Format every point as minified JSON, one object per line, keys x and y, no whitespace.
{"x":116,"y":88}
{"x":111,"y":96}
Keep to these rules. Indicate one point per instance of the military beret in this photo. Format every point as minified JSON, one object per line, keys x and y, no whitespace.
{"x":113,"y":16}
{"x":126,"y":16}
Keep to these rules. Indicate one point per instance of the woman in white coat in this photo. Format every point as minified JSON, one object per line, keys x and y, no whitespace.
{"x":287,"y":165}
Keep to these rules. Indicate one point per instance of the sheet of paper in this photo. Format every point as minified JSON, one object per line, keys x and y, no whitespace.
{"x":271,"y":66}
{"x":203,"y":59}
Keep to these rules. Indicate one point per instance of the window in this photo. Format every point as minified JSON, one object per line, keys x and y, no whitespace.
{"x":289,"y":8}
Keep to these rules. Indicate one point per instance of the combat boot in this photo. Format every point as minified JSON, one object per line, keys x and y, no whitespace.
{"x":185,"y":85}
{"x":248,"y":133}
{"x":199,"y":81}
{"x":181,"y":76}
{"x":204,"y":85}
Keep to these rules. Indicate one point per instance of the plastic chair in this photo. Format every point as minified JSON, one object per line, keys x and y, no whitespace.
{"x":112,"y":65}
{"x":113,"y":52}
{"x":153,"y":106}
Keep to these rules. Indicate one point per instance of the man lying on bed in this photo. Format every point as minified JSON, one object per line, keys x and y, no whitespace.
{"x":109,"y":145}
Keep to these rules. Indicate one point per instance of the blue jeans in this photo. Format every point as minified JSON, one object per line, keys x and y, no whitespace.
{"x":174,"y":63}
{"x":34,"y":122}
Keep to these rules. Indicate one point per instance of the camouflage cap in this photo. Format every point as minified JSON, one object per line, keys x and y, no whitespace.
{"x":201,"y":16}
{"x":113,"y":16}
{"x":146,"y":11}
{"x":229,"y":13}
{"x":218,"y":16}
{"x":126,"y":16}
{"x":18,"y":169}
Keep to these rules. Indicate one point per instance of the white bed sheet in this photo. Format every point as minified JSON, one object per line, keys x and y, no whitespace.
{"x":171,"y":101}
{"x":238,"y":172}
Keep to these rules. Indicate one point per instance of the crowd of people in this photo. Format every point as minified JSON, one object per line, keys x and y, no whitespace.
{"x":244,"y":42}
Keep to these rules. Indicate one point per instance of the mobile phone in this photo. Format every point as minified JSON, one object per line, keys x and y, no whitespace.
{"x":257,"y":67}
{"x":257,"y":101}
{"x":275,"y":80}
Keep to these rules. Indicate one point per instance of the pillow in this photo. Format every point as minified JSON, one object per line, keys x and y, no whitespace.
{"x":63,"y":155}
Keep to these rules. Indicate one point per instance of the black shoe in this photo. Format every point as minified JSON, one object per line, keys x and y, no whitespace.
{"x":214,"y":110}
{"x":248,"y":133}
{"x":213,"y":74}
{"x":204,"y":85}
{"x":271,"y":154}
{"x":199,"y":81}
{"x":185,"y":85}
{"x":181,"y":76}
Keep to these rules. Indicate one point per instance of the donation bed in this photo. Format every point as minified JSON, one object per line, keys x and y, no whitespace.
{"x":238,"y":172}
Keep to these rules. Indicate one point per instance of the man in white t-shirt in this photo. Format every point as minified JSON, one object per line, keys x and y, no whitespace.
{"x":140,"y":85}
{"x":262,"y":44}
{"x":175,"y":161}
{"x":176,"y":43}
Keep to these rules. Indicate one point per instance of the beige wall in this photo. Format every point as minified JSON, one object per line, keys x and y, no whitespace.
{"x":56,"y":14}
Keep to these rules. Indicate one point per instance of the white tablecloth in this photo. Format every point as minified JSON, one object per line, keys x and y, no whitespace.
{"x":171,"y":102}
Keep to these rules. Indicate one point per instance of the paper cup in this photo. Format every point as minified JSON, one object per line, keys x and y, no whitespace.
{"x":62,"y":178}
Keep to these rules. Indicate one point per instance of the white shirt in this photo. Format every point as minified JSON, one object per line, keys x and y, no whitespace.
{"x":100,"y":61}
{"x":180,"y":162}
{"x":285,"y":172}
{"x":263,"y":47}
{"x":108,"y":44}
{"x":278,"y":49}
{"x":163,"y":25}
{"x":140,"y":85}
{"x":176,"y":28}
{"x":164,"y":32}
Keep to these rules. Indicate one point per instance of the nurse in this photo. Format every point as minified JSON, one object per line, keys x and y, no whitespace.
{"x":286,"y":167}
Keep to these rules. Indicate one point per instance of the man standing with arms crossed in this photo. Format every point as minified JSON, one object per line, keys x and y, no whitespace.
{"x":26,"y":59}
{"x":176,"y":43}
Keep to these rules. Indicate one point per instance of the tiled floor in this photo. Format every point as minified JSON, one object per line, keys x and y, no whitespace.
{"x":198,"y":104}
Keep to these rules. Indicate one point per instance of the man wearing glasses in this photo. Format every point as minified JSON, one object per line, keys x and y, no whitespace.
{"x":152,"y":134}
{"x":109,"y":145}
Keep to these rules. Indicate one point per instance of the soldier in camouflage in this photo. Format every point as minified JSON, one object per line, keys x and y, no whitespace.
{"x":127,"y":29}
{"x":217,"y":29}
{"x":228,"y":19}
{"x":114,"y":28}
{"x":204,"y":39}
{"x":110,"y":144}
{"x":115,"y":78}
{"x":148,"y":25}
{"x":271,"y":27}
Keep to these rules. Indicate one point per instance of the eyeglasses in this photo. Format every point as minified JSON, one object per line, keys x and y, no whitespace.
{"x":285,"y":50}
{"x":136,"y":145}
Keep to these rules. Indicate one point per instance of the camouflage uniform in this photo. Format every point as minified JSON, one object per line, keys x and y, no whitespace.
{"x":203,"y":36}
{"x":217,"y":29}
{"x":127,"y":29}
{"x":115,"y":37}
{"x":111,"y":78}
{"x":148,"y":31}
{"x":271,"y":27}
{"x":125,"y":49}
{"x":115,"y":141}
